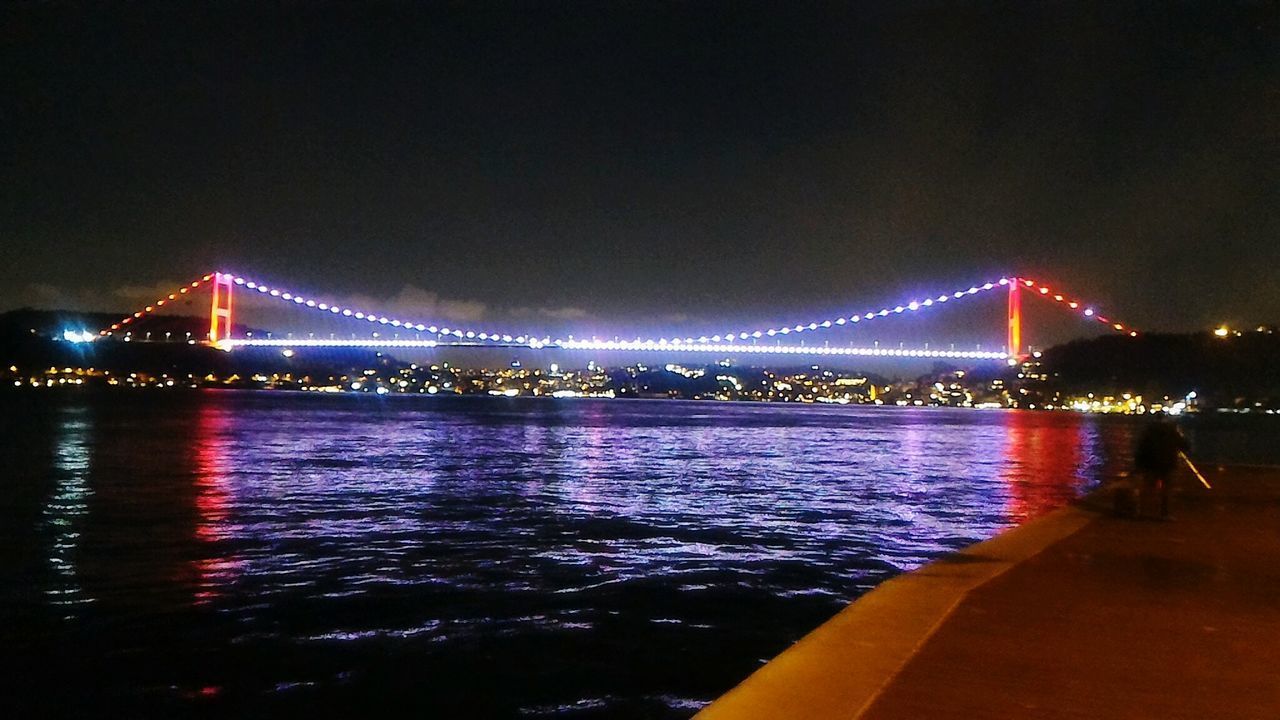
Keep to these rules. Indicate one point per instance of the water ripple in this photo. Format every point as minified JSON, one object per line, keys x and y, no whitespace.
{"x":595,"y":559}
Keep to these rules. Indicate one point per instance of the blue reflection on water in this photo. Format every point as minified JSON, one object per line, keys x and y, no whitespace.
{"x":643,"y":556}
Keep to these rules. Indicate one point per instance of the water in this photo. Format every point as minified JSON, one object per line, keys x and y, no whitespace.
{"x":272,"y":553}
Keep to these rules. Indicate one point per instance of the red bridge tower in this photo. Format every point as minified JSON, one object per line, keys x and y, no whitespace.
{"x":220,"y":313}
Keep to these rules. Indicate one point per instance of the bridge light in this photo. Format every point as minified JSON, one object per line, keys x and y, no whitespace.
{"x":1004,"y":281}
{"x":1073,"y":305}
{"x":275,"y":293}
{"x":297,"y":300}
{"x":251,"y":285}
{"x":1044,"y":291}
{"x":987,"y":286}
{"x":312,"y":303}
{"x":855,"y":318}
{"x":286,"y":296}
{"x":238,"y":281}
{"x":913,"y":305}
{"x":1088,"y":312}
{"x":927,"y":302}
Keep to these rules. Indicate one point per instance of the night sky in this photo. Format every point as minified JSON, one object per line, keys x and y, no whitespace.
{"x":624,"y":165}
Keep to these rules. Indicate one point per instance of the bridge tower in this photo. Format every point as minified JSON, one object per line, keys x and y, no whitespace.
{"x":220,"y":313}
{"x":1015,"y":319}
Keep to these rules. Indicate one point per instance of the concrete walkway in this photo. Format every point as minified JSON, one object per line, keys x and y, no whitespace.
{"x":1075,"y":615}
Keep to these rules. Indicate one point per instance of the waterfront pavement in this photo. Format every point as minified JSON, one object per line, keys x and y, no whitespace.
{"x":1076,"y":615}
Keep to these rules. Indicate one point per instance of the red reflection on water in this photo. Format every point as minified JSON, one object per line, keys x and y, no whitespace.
{"x":213,"y":498}
{"x":1042,"y":461}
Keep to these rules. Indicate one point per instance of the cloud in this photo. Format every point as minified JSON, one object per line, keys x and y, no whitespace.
{"x":134,"y":296}
{"x":120,"y":299}
{"x":420,"y":305}
{"x":566,"y":312}
{"x":47,"y":296}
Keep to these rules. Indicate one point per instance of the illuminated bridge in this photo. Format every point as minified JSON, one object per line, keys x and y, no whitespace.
{"x":223,"y":287}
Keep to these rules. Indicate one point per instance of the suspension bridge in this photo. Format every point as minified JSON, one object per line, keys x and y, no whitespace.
{"x":224,"y":287}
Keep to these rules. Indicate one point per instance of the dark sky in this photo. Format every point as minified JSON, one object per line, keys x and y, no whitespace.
{"x":626,"y":162}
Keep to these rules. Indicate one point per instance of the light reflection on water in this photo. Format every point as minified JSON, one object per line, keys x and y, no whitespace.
{"x":67,"y":506}
{"x":504,"y":556}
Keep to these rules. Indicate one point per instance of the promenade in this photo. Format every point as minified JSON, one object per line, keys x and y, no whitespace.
{"x":1075,"y":615}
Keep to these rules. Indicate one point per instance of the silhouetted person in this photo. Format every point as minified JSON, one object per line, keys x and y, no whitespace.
{"x":1156,"y":457}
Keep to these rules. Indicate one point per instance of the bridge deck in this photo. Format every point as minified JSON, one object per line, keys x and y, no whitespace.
{"x":1078,"y":615}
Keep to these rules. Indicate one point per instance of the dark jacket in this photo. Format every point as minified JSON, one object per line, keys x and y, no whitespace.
{"x":1158,"y":448}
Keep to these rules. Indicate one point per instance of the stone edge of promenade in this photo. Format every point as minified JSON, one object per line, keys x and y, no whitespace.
{"x":840,"y":668}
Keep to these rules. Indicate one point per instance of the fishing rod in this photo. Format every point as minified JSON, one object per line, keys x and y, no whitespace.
{"x":1194,"y":470}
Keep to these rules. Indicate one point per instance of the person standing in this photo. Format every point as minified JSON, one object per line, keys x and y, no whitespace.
{"x":1156,"y":458}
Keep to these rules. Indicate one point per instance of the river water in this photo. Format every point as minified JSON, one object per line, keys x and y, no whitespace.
{"x":273,"y":553}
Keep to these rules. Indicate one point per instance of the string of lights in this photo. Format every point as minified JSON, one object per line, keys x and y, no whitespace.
{"x":1084,"y":310}
{"x":727,"y":342}
{"x":155,"y":306}
{"x":533,"y":340}
{"x":644,"y":345}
